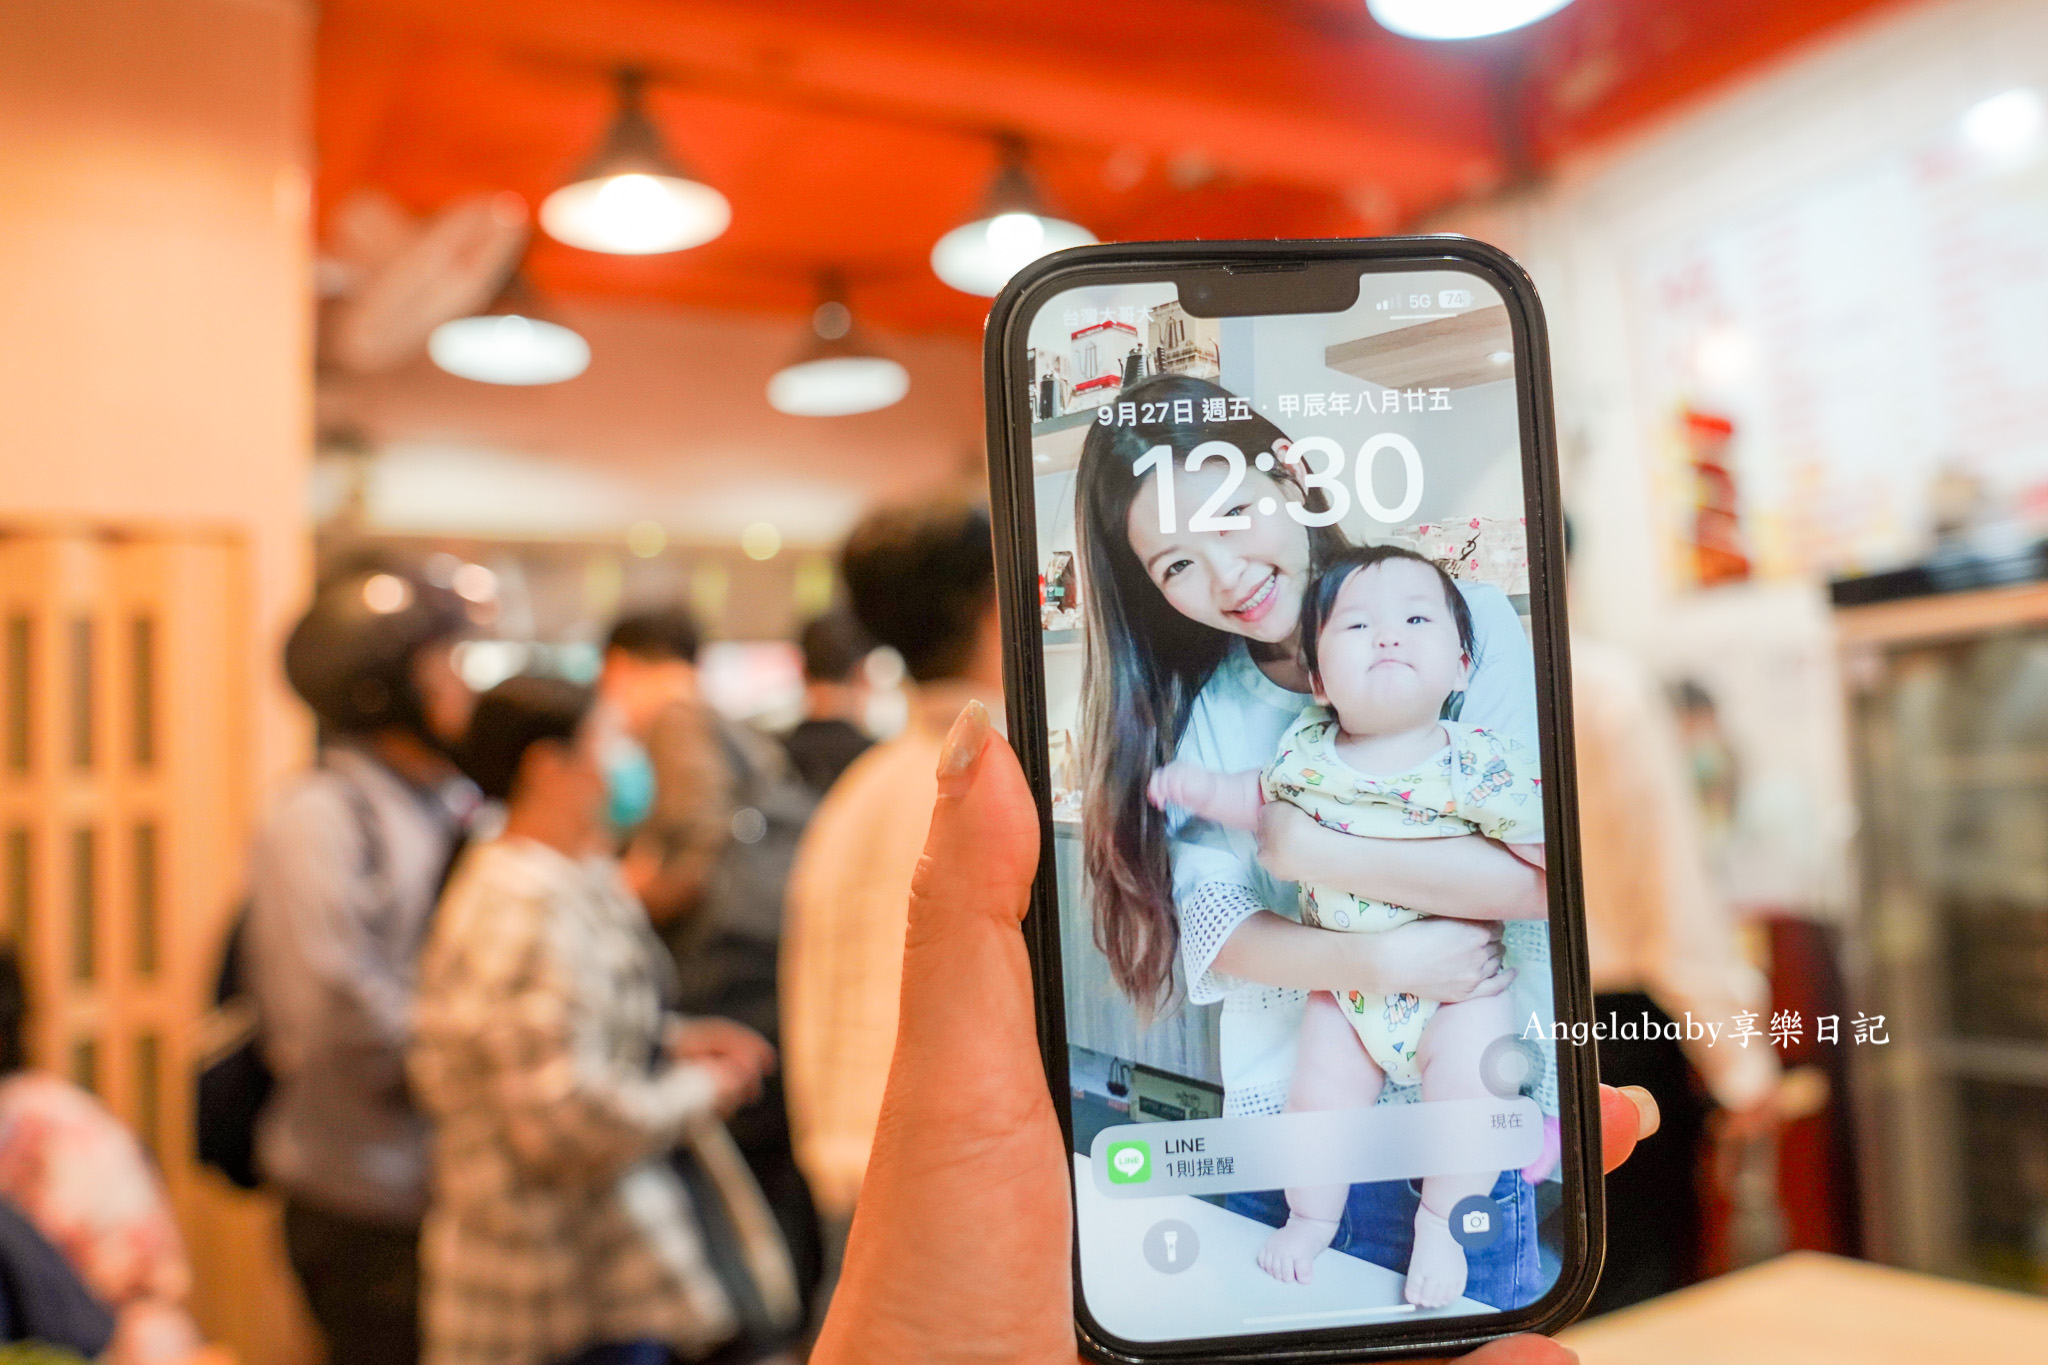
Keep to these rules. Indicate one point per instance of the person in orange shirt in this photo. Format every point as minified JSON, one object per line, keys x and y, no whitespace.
{"x":921,"y":579}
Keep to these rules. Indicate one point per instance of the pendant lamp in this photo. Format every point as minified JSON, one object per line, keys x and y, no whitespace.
{"x":633,"y":199}
{"x":1453,"y":19}
{"x":509,"y":343}
{"x":838,"y":372}
{"x":1013,"y":231}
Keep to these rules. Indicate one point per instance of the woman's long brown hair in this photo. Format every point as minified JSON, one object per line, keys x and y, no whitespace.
{"x":1145,"y":665}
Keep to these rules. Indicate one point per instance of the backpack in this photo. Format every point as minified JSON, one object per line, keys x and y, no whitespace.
{"x":234,"y":1081}
{"x":726,"y":952}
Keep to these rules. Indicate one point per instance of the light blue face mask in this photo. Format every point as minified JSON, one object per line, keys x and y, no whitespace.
{"x":628,"y":784}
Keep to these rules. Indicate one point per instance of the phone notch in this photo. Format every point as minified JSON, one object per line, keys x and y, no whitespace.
{"x":1266,"y":288}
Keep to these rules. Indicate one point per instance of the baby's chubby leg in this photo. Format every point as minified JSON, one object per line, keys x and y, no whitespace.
{"x":1452,"y":1044}
{"x":1230,"y":799}
{"x":1331,"y":1071}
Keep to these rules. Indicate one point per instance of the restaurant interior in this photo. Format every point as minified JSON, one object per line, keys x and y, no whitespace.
{"x":600,"y":306}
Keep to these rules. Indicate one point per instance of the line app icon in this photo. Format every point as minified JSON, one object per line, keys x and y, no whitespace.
{"x":1130,"y":1163}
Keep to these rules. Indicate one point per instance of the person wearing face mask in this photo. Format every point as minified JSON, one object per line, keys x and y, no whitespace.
{"x":344,"y":873}
{"x":666,"y":780}
{"x":560,"y":1230}
{"x":709,"y":813}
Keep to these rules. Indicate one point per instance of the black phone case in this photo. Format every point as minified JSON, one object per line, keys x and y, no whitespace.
{"x":1016,"y":539}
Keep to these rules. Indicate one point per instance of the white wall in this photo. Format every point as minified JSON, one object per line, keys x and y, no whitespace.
{"x":1897,"y":84}
{"x":1876,"y":93}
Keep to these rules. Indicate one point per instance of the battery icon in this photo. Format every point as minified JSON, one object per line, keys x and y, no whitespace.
{"x":1454,"y":298}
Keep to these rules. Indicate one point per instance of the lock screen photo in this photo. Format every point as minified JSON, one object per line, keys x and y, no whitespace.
{"x":1298,"y":808}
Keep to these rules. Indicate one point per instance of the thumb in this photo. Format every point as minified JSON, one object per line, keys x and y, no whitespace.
{"x":966,"y":1041}
{"x":963,"y":1227}
{"x":982,"y":852}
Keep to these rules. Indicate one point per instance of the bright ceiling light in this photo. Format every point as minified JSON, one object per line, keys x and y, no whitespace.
{"x":635,"y":214}
{"x":979,"y":257}
{"x":2005,"y":125}
{"x":838,"y":387}
{"x":839,"y":372}
{"x":507,"y":344}
{"x":633,"y":199}
{"x":507,"y":348}
{"x":1449,"y":19}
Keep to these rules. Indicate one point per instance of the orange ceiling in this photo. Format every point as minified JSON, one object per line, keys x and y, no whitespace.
{"x":852,"y":133}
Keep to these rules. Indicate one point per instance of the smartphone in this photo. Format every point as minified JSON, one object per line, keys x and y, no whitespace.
{"x":1280,"y":561}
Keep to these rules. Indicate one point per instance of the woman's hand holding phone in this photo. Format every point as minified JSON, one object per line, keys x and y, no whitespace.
{"x":962,"y":1243}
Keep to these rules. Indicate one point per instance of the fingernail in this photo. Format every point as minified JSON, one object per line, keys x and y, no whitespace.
{"x":964,"y":742}
{"x":1648,"y":1118}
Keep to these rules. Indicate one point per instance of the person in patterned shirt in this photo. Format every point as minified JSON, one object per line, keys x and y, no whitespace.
{"x":559,"y":1230}
{"x":1387,"y":639}
{"x":83,"y":1181}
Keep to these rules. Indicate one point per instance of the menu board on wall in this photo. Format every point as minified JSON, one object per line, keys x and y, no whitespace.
{"x":1869,"y":335}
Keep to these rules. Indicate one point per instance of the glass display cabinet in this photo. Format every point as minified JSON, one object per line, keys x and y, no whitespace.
{"x":1949,"y":719}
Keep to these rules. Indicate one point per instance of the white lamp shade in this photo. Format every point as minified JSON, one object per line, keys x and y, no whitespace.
{"x":635,"y":214}
{"x":504,"y":348}
{"x":1449,"y":19}
{"x":980,"y":257}
{"x":837,"y":386}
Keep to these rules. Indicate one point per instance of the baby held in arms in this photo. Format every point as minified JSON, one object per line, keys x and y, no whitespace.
{"x":1387,"y":639}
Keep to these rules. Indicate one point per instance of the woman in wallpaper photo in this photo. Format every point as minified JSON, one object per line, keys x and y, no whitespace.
{"x":1195,"y":659}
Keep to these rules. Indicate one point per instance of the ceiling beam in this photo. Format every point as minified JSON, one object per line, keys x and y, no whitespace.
{"x":1278,"y":101}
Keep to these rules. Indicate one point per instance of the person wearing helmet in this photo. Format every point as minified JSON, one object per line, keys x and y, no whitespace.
{"x":346,"y":868}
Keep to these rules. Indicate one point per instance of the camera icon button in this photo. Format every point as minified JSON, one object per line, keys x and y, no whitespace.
{"x":1476,"y":1222}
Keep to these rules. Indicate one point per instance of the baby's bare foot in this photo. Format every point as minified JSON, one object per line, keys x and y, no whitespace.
{"x":1436,"y":1268}
{"x":1289,"y":1255}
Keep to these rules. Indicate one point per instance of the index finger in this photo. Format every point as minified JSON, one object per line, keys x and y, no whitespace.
{"x":1627,"y":1116}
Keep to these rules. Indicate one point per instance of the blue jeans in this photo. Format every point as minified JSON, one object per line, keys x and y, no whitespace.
{"x":1379,"y":1226}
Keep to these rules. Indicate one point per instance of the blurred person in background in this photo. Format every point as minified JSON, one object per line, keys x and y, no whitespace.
{"x":709,"y":812}
{"x":669,"y":782}
{"x":1663,"y":947}
{"x":559,"y":1231}
{"x":921,"y":580}
{"x":84,"y":1182}
{"x":344,"y":874}
{"x":830,"y":737}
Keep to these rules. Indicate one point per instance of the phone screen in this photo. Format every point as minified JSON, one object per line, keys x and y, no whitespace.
{"x":1298,"y":808}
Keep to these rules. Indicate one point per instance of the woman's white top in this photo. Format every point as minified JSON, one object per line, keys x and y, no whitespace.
{"x":1236,"y":724}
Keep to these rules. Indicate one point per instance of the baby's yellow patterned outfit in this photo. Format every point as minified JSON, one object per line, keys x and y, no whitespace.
{"x":1479,"y":783}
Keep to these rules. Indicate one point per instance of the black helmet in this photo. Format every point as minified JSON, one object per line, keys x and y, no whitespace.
{"x":350,"y":657}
